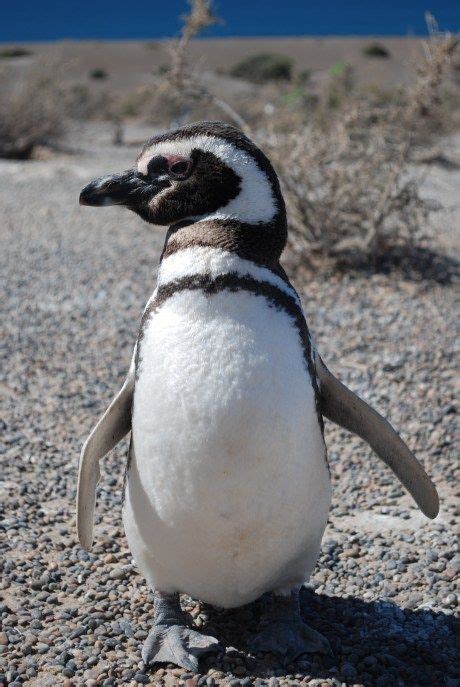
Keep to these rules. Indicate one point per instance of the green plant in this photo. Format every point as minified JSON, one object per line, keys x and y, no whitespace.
{"x":339,"y":69}
{"x":293,"y":97}
{"x":6,"y":53}
{"x":340,"y":84}
{"x":98,"y":73}
{"x":128,"y":108}
{"x":263,"y":67}
{"x":376,"y":50}
{"x":300,"y":99}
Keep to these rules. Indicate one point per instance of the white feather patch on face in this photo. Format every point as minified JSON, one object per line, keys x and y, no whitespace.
{"x":254,"y":203}
{"x":214,"y":262}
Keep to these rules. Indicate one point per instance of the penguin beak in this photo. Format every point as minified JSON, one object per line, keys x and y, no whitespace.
{"x":127,"y":188}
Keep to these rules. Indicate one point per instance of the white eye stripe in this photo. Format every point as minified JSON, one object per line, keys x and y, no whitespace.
{"x":256,"y":200}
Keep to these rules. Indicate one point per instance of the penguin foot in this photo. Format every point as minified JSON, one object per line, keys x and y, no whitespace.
{"x":290,"y":639}
{"x":177,"y":644}
{"x":283,"y":632}
{"x":171,"y":641}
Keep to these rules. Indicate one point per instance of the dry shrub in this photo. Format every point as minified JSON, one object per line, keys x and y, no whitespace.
{"x":10,"y":53}
{"x":80,"y":101}
{"x":345,"y":191}
{"x":346,"y":176}
{"x":35,"y":110}
{"x":185,"y":84}
{"x":343,"y":156}
{"x":162,"y":104}
{"x":98,"y":73}
{"x":376,"y":50}
{"x":165,"y":107}
{"x":181,"y":93}
{"x":31,"y":111}
{"x":263,"y":67}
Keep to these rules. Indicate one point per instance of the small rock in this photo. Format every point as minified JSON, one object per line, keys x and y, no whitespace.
{"x":120,"y":573}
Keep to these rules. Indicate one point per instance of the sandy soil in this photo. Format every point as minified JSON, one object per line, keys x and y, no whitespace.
{"x":130,"y":64}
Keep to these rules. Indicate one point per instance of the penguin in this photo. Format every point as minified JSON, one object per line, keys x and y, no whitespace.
{"x":227,"y":488}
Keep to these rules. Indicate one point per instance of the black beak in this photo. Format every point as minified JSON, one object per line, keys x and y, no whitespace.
{"x":127,"y":188}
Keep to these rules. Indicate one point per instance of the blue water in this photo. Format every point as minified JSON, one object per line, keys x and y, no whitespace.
{"x":36,"y":20}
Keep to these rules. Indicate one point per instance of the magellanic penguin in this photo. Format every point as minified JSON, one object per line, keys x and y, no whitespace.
{"x":228,"y":488}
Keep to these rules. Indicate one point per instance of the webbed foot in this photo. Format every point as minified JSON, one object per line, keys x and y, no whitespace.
{"x":171,"y":641}
{"x":283,"y":632}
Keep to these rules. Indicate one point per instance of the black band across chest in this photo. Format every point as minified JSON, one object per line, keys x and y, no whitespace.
{"x":231,"y":281}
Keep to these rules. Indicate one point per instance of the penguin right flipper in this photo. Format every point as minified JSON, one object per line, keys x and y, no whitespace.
{"x":346,"y":409}
{"x":108,"y":432}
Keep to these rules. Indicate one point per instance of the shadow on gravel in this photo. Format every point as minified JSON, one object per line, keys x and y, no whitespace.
{"x":374,"y":644}
{"x":414,"y":264}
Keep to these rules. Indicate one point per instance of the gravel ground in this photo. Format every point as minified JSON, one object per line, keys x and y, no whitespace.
{"x":384,"y":590}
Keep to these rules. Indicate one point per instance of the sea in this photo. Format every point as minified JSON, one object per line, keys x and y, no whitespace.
{"x":45,"y":20}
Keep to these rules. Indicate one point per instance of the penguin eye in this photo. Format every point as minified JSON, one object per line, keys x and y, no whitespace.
{"x":179,"y":168}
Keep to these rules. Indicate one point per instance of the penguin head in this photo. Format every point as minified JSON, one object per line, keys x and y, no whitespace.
{"x":208,"y":170}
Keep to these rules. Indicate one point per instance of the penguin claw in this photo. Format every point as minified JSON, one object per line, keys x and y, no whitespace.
{"x":177,"y":644}
{"x":290,"y":639}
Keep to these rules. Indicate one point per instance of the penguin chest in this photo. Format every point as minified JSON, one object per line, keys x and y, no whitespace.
{"x":229,"y":472}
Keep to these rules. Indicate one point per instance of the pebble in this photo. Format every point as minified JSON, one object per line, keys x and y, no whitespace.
{"x":120,"y":573}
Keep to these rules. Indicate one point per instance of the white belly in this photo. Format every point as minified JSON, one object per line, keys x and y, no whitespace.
{"x":228,"y":492}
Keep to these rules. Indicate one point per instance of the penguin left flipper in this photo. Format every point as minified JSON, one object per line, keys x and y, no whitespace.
{"x":344,"y":408}
{"x":109,"y":431}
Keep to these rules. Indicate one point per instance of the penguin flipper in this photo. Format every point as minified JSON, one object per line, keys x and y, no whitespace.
{"x":344,"y":408}
{"x":108,"y":432}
